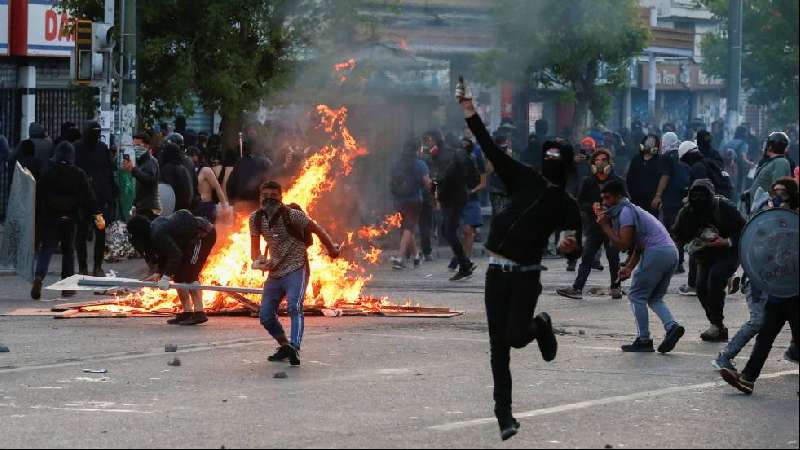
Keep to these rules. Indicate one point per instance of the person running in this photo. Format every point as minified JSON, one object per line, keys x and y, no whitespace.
{"x":536,"y":208}
{"x":712,"y":227}
{"x":410,"y":178}
{"x":177,"y":246}
{"x":631,"y":228}
{"x":602,"y":174}
{"x":288,"y":232}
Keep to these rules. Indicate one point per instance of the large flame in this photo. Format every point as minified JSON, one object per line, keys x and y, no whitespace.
{"x":333,"y":282}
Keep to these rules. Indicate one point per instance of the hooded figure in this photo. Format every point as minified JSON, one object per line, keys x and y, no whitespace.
{"x":175,"y":174}
{"x":64,"y":197}
{"x":712,"y":227}
{"x":43,"y":150}
{"x":705,"y":141}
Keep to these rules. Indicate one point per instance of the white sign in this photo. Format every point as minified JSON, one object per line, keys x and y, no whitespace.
{"x":47,"y":30}
{"x":3,"y":27}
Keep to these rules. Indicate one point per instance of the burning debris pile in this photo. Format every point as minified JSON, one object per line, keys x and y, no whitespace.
{"x":336,"y":286}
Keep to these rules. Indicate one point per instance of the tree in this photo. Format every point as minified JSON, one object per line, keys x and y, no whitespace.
{"x":231,"y":54}
{"x":566,"y":43}
{"x":770,"y":55}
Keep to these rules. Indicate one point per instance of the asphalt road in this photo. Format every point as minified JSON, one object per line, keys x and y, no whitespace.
{"x":375,"y":382}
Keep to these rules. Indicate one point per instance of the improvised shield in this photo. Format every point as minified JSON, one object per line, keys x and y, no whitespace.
{"x":167,"y":197}
{"x":17,"y":246}
{"x":769,"y":251}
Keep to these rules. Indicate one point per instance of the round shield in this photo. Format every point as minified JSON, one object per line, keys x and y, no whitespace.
{"x":769,"y":252}
{"x":167,"y":197}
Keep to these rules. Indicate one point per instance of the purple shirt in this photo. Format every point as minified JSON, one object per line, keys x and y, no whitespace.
{"x":652,"y":235}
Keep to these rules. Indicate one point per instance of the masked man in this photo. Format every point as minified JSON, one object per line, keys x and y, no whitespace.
{"x":536,"y":208}
{"x":712,"y":226}
{"x":288,"y":232}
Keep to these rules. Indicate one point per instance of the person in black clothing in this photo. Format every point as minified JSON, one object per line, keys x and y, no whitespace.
{"x":64,"y":194}
{"x":245,"y":181}
{"x":146,"y":173}
{"x":712,"y":226}
{"x":178,"y":246}
{"x":705,"y":141}
{"x":177,"y":176}
{"x":94,"y":158}
{"x":518,"y":235}
{"x":454,"y":169}
{"x":602,"y":174}
{"x":643,"y":174}
{"x":535,"y":154}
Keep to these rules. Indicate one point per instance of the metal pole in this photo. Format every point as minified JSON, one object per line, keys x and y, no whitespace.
{"x":735,"y":63}
{"x":129,"y":87}
{"x":651,"y":74}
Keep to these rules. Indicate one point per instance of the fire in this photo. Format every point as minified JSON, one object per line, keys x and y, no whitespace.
{"x":333,"y":282}
{"x":344,"y":68}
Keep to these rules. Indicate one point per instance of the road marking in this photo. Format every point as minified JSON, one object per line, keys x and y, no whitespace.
{"x":599,"y":402}
{"x":122,"y":411}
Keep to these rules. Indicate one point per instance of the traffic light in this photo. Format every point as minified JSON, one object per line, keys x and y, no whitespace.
{"x":93,"y":51}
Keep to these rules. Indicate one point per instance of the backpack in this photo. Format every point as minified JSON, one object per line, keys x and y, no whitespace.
{"x":294,"y":231}
{"x":719,"y":178}
{"x":405,"y":182}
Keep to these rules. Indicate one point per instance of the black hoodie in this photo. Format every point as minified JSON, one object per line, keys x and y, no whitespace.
{"x":175,"y":174}
{"x":536,"y":210}
{"x":94,"y":158}
{"x":64,"y":189}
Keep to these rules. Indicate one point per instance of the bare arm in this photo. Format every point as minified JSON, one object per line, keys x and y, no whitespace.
{"x":324,"y":237}
{"x":482,"y":185}
{"x":623,"y":239}
{"x":208,"y":175}
{"x":662,"y":185}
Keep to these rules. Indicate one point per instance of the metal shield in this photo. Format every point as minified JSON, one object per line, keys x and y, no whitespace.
{"x":769,"y":250}
{"x":17,"y":246}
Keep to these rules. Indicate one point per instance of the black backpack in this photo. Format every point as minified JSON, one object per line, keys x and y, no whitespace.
{"x":719,"y":178}
{"x":405,"y":182}
{"x":294,"y":231}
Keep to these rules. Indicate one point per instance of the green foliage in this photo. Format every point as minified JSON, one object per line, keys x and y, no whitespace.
{"x":770,"y":54}
{"x":564,"y":42}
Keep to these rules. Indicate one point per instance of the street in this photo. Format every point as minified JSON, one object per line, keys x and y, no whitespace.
{"x":381,"y":382}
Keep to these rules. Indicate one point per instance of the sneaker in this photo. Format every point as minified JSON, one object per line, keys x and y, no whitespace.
{"x":462,"y":275}
{"x":282,"y":354}
{"x":680,"y":270}
{"x":671,"y":339}
{"x":83,"y":271}
{"x":99,"y":272}
{"x":417,"y":261}
{"x":687,"y":290}
{"x":715,"y":333}
{"x":398,"y":264}
{"x":546,"y":337}
{"x":616,"y":293}
{"x":68,"y":294}
{"x":428,"y":258}
{"x":453,"y":266}
{"x":195,"y":318}
{"x":36,"y":289}
{"x":509,"y":427}
{"x":575,"y":294}
{"x":294,"y":355}
{"x":598,"y":266}
{"x":737,"y":380}
{"x":734,"y":284}
{"x":571,"y":266}
{"x":180,"y":317}
{"x":723,"y":362}
{"x":639,"y":346}
{"x":791,"y":354}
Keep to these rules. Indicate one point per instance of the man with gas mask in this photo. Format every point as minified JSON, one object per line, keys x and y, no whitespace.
{"x":712,"y":227}
{"x":178,"y":246}
{"x":602,"y":173}
{"x":643,"y":174}
{"x":536,"y":208}
{"x":288,"y":232}
{"x":773,"y":166}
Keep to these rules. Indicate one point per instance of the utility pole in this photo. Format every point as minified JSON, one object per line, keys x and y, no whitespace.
{"x":735,"y":64}
{"x":129,"y":87}
{"x":652,"y":73}
{"x":106,"y":111}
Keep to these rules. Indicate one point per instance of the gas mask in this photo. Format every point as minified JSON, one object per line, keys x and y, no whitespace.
{"x":601,"y":168}
{"x":270,"y":206}
{"x":650,"y":146}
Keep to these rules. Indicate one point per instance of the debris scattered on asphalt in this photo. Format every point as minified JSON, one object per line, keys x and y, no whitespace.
{"x":4,"y":349}
{"x":170,"y":348}
{"x":95,"y":370}
{"x":174,"y":362}
{"x":281,"y":375}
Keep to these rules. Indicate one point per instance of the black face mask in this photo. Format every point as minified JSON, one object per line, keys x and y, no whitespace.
{"x":701,"y":202}
{"x":555,"y":171}
{"x":270,"y":206}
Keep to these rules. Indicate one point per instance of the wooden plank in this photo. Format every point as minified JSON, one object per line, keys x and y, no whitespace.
{"x":31,"y":312}
{"x":67,"y":306}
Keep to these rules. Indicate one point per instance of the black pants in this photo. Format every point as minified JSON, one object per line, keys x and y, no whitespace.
{"x":85,"y":226}
{"x":511,"y":300}
{"x":426,"y":227}
{"x":591,"y":250}
{"x":775,"y":316}
{"x":56,"y":231}
{"x":712,"y":280}
{"x":451,"y":220}
{"x":692,"y":280}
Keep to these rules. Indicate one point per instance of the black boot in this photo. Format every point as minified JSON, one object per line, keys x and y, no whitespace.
{"x":180,"y":317}
{"x":509,"y":426}
{"x":546,"y":337}
{"x":36,"y":289}
{"x":195,"y":318}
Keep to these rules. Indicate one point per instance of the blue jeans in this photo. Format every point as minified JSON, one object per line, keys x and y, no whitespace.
{"x":650,"y":283}
{"x":293,"y":286}
{"x":756,"y":302}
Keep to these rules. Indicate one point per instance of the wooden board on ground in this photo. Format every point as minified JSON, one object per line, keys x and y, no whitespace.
{"x":31,"y":312}
{"x":76,"y":314}
{"x":67,"y":306}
